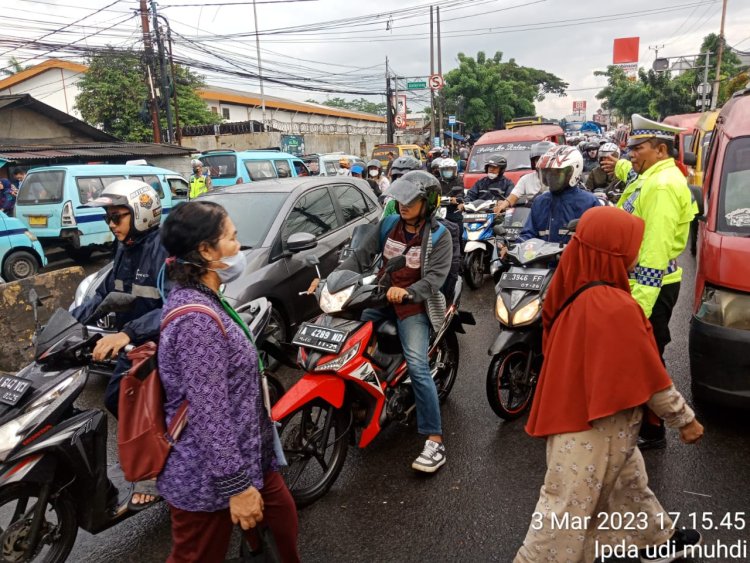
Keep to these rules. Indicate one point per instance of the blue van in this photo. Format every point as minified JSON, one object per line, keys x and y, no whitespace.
{"x":21,"y":255}
{"x":51,"y":202}
{"x":228,"y":167}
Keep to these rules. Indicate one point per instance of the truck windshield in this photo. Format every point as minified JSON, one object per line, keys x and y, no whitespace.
{"x":734,"y":205}
{"x":517,"y":155}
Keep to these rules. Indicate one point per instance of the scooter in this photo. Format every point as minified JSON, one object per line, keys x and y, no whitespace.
{"x":479,"y":250}
{"x":517,"y":350}
{"x":512,"y":221}
{"x":356,"y":380}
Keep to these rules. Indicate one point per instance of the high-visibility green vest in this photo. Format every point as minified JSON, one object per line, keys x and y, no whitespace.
{"x":198,"y":186}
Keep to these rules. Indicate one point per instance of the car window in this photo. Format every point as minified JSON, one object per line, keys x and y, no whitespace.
{"x":734,"y":206}
{"x":331,"y":168}
{"x":352,"y":202}
{"x":220,"y":165}
{"x":687,"y":142}
{"x":42,"y":187}
{"x":313,"y":166}
{"x":253,"y":213}
{"x":260,"y":170}
{"x":178,"y":187}
{"x":152,"y":181}
{"x":300,"y":169}
{"x":704,"y":148}
{"x":312,"y":213}
{"x":91,"y":187}
{"x":282,"y":168}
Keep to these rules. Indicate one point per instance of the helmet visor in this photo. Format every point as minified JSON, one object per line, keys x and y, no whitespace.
{"x":557,"y":179}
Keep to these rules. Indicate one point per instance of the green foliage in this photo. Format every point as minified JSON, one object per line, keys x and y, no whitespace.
{"x":360,"y":104}
{"x":487,"y":92}
{"x":113,"y":95}
{"x":13,"y":67}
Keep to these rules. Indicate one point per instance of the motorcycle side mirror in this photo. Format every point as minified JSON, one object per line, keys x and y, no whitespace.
{"x":116,"y":302}
{"x":572,"y":225}
{"x":301,"y":241}
{"x":499,"y":230}
{"x":396,"y":263}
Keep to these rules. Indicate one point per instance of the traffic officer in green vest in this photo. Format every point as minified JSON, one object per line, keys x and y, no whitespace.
{"x":200,"y":182}
{"x":658,"y":193}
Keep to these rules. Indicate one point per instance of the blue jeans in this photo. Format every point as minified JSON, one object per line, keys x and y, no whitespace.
{"x":414,"y":333}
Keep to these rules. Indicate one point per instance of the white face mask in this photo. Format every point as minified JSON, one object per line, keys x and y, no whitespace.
{"x":235,"y":265}
{"x":492,"y":175}
{"x":373,"y":173}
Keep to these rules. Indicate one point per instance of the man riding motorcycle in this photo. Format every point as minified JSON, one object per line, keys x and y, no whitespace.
{"x":599,"y":177}
{"x":560,"y":170}
{"x":494,"y":180}
{"x":530,"y":184}
{"x":590,"y":150}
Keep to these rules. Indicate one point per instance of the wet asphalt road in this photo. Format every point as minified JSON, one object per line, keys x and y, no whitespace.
{"x":478,"y":507}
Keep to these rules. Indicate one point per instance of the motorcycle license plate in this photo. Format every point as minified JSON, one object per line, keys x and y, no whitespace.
{"x":514,"y":280}
{"x":320,"y":338}
{"x":12,"y":389}
{"x":511,"y":233}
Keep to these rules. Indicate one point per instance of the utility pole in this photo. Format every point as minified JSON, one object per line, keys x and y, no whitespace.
{"x":705,"y":81}
{"x":163,"y":73}
{"x":390,"y":114}
{"x":717,"y":78}
{"x":432,"y":71}
{"x":441,"y":128}
{"x":149,"y":51}
{"x":178,"y":129}
{"x":655,"y":48}
{"x":260,"y":68}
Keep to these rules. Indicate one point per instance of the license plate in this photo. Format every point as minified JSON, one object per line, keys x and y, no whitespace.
{"x":12,"y":389}
{"x":37,"y":221}
{"x":474,"y":217}
{"x":511,"y":233}
{"x":320,"y":338}
{"x":513,"y":280}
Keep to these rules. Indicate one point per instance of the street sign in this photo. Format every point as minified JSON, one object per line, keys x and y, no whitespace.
{"x":660,"y":65}
{"x":451,"y":120}
{"x":704,"y":88}
{"x":436,"y":142}
{"x":400,"y":121}
{"x":416,"y":85}
{"x":579,"y":106}
{"x":436,"y":82}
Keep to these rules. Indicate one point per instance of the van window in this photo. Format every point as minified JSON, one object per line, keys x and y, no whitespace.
{"x":312,"y":213}
{"x":313,"y":165}
{"x":152,"y":181}
{"x":260,"y":169}
{"x":382,"y":153}
{"x":220,"y":165}
{"x":352,"y":202}
{"x":178,"y":187}
{"x":415,"y":154}
{"x":734,"y":207}
{"x":517,"y":155}
{"x":687,"y":142}
{"x":331,"y":168}
{"x":91,"y":187}
{"x":282,"y":168}
{"x":300,"y":168}
{"x":42,"y":187}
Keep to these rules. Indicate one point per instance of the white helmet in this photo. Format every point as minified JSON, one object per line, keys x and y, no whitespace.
{"x":560,"y":167}
{"x":138,"y":196}
{"x":448,"y":168}
{"x":608,"y":149}
{"x":195,"y":163}
{"x":447,"y":163}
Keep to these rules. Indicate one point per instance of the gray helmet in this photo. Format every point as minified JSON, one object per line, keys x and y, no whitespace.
{"x":500,"y":161}
{"x":414,"y":185}
{"x":374,"y":162}
{"x":538,"y":149}
{"x":404,"y":164}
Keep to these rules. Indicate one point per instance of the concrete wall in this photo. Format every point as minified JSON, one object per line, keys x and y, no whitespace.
{"x":55,"y":87}
{"x":314,"y":142}
{"x":23,"y":126}
{"x":179,"y":164}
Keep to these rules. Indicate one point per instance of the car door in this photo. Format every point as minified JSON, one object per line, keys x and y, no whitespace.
{"x":355,"y":209}
{"x":313,"y":212}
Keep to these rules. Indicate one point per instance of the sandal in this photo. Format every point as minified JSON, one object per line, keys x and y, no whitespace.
{"x":144,"y":488}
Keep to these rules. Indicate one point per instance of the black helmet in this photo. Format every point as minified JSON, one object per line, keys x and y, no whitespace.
{"x":415,"y":185}
{"x":591,"y":146}
{"x":499,"y":161}
{"x":404,"y":164}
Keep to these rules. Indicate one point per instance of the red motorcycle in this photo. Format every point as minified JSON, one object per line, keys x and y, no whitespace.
{"x":356,"y":379}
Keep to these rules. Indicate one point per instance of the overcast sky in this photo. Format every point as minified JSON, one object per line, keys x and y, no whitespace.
{"x":573,"y":50}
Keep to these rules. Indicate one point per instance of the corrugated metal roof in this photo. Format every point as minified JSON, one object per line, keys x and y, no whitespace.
{"x":19,"y":153}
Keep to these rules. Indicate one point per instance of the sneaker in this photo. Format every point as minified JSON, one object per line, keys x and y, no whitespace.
{"x":431,"y":458}
{"x":654,"y":444}
{"x":677,"y":544}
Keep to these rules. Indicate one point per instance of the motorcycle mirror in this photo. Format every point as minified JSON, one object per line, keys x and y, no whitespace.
{"x":499,"y":230}
{"x":396,"y":263}
{"x":572,"y":225}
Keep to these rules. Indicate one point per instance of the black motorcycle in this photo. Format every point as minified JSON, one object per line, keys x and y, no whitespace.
{"x":517,"y":351}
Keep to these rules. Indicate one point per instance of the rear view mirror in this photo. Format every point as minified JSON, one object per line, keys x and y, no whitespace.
{"x":697,"y":195}
{"x":301,"y":241}
{"x":689,"y":159}
{"x":572,"y":225}
{"x":499,"y":230}
{"x":396,"y":263}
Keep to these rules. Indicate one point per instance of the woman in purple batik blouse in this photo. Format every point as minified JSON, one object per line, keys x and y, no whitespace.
{"x":223,"y":469}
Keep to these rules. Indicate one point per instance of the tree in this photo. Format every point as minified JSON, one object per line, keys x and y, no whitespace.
{"x":113,"y":96}
{"x":360,"y":104}
{"x":487,"y":92}
{"x":13,"y":67}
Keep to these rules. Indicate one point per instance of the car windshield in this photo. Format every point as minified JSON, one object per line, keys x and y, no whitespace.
{"x":42,"y":187}
{"x":517,"y":155}
{"x":734,"y":206}
{"x":221,"y":165}
{"x":252,"y":213}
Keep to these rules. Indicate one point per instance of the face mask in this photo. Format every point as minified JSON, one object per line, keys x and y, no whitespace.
{"x":373,"y":173}
{"x":492,"y":175}
{"x":235,"y":266}
{"x":447,"y":174}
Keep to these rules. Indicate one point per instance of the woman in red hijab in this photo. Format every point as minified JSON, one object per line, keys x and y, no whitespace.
{"x":601,"y":365}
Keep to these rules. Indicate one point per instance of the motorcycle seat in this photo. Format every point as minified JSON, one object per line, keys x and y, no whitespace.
{"x":387,"y":328}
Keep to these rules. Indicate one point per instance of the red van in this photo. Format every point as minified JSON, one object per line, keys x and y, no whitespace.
{"x":514,"y":144}
{"x":719,"y":340}
{"x":688,"y":122}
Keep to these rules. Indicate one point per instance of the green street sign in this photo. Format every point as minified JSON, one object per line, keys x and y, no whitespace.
{"x":416,"y":85}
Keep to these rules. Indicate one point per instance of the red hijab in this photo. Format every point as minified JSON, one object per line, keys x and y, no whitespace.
{"x":600,"y":356}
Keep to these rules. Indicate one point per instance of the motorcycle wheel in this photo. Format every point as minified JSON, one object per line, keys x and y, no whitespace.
{"x":444,"y":365}
{"x":58,"y":530}
{"x":474,"y":269}
{"x":509,"y":387}
{"x":315,"y":438}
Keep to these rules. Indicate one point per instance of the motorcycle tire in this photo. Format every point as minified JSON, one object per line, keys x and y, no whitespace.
{"x":445,"y":365}
{"x":474,"y":269}
{"x":509,"y":387}
{"x":15,"y":528}
{"x":310,"y":472}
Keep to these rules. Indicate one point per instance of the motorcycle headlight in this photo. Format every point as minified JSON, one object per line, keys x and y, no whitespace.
{"x":501,"y":312}
{"x":527,"y":313}
{"x":340,"y":361}
{"x":334,"y":302}
{"x":13,"y":431}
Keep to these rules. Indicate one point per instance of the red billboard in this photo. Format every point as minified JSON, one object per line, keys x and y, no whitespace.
{"x":579,"y":106}
{"x":626,"y":50}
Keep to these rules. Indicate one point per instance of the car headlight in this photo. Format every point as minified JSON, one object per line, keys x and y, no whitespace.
{"x":501,"y":312}
{"x":340,"y":361}
{"x":334,"y":302}
{"x":722,"y":307}
{"x":527,"y":313}
{"x":13,"y":431}
{"x":31,"y":236}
